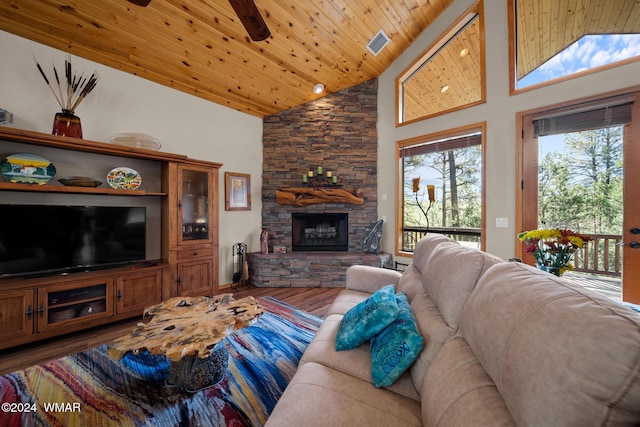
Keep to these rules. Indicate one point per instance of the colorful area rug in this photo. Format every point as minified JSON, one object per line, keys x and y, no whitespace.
{"x":90,"y":389}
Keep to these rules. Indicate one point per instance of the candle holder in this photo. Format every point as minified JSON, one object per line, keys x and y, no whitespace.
{"x":320,"y":179}
{"x":431,"y":192}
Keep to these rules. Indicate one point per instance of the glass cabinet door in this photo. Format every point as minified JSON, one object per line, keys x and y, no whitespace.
{"x":195,"y":197}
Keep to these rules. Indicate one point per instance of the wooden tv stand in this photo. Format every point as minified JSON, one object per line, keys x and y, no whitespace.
{"x":183,"y":264}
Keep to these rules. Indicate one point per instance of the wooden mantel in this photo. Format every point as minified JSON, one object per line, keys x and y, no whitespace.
{"x":312,"y":196}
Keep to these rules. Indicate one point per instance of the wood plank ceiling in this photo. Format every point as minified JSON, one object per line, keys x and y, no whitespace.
{"x":200,"y":47}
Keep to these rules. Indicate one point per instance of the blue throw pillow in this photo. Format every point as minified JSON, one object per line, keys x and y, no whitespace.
{"x":395,"y":348}
{"x":367,"y":319}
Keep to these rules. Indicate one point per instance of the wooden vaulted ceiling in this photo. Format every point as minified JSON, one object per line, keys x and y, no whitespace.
{"x":200,"y":47}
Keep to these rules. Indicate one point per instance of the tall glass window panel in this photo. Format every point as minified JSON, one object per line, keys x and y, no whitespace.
{"x":441,"y":189}
{"x":555,"y":40}
{"x":449,"y":76}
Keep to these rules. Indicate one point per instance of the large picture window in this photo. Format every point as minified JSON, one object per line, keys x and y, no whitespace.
{"x":440,"y":183}
{"x":449,"y":75}
{"x":554,"y":40}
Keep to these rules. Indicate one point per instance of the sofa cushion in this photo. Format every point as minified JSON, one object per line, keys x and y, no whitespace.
{"x":458,"y":392}
{"x":367,"y":319}
{"x":410,"y":280}
{"x":395,"y":348}
{"x":321,"y":396}
{"x":346,"y":300}
{"x":435,"y":332}
{"x":355,"y":362}
{"x":450,"y":275}
{"x":558,"y":353}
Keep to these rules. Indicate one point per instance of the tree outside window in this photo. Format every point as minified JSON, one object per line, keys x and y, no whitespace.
{"x":454,"y":167}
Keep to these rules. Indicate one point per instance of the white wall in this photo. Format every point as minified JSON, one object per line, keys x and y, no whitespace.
{"x":499,"y":112}
{"x":122,"y":102}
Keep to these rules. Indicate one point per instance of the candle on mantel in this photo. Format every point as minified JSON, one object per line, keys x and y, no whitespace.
{"x":310,"y":174}
{"x":334,"y":179}
{"x":304,"y":178}
{"x":329,"y":174}
{"x":319,"y":170}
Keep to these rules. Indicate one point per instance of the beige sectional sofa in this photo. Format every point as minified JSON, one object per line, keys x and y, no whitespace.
{"x":505,"y":345}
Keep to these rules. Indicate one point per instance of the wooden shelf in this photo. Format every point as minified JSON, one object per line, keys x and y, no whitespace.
{"x":312,"y":196}
{"x":47,"y":188}
{"x":76,"y":302}
{"x":65,"y":142}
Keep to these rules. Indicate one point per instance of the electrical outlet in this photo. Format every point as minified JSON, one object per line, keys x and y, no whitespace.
{"x":502,"y":222}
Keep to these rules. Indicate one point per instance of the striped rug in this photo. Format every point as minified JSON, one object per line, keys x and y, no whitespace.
{"x":90,"y":389}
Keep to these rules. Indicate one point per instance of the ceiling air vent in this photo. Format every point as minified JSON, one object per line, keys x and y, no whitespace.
{"x":379,"y":41}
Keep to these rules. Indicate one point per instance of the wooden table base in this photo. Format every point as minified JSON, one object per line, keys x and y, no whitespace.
{"x":194,"y":373}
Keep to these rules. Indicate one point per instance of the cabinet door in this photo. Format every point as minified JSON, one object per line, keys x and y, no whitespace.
{"x":136,"y":291}
{"x":16,"y":314}
{"x":82,"y":302}
{"x":195,"y":278}
{"x":196,"y":208}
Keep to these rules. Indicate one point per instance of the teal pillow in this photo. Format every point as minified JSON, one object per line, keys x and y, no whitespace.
{"x":395,"y":349}
{"x":367,"y":319}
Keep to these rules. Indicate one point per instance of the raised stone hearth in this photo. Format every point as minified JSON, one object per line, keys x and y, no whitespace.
{"x":308,"y":269}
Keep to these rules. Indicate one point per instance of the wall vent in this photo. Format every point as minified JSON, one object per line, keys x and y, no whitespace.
{"x":378,"y":42}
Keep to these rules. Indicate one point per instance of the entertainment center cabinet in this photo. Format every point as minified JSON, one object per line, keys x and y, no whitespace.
{"x":181,"y":199}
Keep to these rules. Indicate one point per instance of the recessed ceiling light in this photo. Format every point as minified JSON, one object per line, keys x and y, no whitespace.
{"x":444,"y":88}
{"x":319,"y":88}
{"x":464,"y":52}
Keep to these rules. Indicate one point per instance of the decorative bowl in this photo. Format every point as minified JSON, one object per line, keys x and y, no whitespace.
{"x":27,"y":168}
{"x":79,"y":181}
{"x":123,"y":178}
{"x":136,"y":140}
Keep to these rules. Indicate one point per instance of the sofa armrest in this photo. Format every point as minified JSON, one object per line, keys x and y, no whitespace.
{"x":369,"y":279}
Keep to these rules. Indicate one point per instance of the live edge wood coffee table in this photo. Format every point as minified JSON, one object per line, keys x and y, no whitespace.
{"x":189,"y":331}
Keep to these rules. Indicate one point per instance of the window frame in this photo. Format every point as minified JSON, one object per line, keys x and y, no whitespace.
{"x":480,"y":127}
{"x":513,"y":90}
{"x":476,"y":9}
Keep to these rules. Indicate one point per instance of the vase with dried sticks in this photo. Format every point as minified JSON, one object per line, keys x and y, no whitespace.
{"x":69,"y":96}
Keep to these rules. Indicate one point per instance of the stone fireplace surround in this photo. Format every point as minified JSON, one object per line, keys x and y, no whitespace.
{"x":337,"y":132}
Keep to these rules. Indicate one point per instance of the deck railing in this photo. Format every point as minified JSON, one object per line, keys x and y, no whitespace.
{"x":412,"y":235}
{"x":601,"y":255}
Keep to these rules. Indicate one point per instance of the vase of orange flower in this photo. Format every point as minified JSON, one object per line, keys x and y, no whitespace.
{"x":553,"y":249}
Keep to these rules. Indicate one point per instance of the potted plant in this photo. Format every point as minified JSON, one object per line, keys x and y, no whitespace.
{"x":554,"y":248}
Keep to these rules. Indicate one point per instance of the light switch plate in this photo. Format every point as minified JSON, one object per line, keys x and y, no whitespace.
{"x":502,"y":222}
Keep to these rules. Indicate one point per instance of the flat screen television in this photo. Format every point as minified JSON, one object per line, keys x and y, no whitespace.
{"x":40,"y":240}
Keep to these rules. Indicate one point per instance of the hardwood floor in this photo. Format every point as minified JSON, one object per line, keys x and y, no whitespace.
{"x":312,"y":300}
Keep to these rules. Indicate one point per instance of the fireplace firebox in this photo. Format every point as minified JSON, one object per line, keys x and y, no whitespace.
{"x":320,"y":232}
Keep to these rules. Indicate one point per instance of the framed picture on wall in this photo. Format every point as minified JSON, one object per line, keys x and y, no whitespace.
{"x":237,"y":195}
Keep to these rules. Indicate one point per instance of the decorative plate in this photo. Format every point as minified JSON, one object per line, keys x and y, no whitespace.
{"x":124,"y":179}
{"x":136,"y":140}
{"x":27,"y":168}
{"x":79,"y":181}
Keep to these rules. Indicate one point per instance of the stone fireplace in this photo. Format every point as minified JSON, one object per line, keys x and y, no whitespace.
{"x":337,"y":132}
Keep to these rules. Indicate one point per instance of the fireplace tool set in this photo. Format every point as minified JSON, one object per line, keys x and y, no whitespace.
{"x":240,"y":266}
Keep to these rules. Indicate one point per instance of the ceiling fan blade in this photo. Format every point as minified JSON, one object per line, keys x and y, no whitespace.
{"x":142,"y":3}
{"x":251,"y":18}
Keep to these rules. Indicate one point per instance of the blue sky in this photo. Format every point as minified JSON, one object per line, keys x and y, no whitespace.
{"x":587,"y":53}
